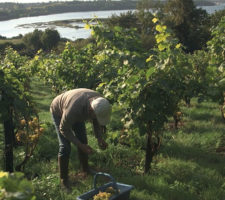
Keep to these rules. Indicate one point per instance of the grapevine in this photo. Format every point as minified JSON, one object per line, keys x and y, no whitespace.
{"x":27,"y":135}
{"x":16,"y":99}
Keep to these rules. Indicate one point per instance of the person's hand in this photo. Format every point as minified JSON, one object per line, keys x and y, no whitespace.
{"x":86,"y":148}
{"x":102,"y":144}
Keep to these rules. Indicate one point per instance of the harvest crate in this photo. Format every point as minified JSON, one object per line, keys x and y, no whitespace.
{"x":123,"y":190}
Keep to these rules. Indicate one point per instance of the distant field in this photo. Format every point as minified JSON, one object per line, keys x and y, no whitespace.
{"x":14,"y":41}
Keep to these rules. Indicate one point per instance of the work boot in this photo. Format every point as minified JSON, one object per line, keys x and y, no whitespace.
{"x":83,"y":157}
{"x":63,"y":162}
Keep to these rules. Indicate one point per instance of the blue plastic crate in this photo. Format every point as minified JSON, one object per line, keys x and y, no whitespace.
{"x":123,"y":189}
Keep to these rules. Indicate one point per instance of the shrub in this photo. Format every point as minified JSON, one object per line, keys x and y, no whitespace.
{"x":15,"y":187}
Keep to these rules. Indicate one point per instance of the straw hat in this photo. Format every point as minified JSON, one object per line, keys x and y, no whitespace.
{"x":102,"y":110}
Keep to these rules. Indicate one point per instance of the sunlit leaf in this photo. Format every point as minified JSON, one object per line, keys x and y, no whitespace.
{"x":154,"y":20}
{"x":178,"y":46}
{"x":161,"y":28}
{"x":132,"y":79}
{"x":101,"y":85}
{"x":161,"y":47}
{"x":149,"y":72}
{"x":149,"y":58}
{"x":87,"y":26}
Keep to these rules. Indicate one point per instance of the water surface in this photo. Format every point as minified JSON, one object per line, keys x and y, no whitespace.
{"x":14,"y":27}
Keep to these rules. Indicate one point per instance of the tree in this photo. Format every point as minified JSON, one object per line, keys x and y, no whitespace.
{"x":126,"y":20}
{"x":145,"y":25}
{"x":188,"y":22}
{"x":50,"y":39}
{"x":33,"y":40}
{"x":41,"y":40}
{"x":216,"y":17}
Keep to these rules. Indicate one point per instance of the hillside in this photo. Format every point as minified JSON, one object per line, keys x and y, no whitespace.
{"x":17,"y":10}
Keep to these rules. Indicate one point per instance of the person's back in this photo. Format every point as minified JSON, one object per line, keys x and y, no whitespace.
{"x":73,"y":98}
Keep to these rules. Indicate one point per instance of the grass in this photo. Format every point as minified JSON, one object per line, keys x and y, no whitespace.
{"x":43,"y":97}
{"x":13,"y":41}
{"x":1,"y":145}
{"x":187,"y":167}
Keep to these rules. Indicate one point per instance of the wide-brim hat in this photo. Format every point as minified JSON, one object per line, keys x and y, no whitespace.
{"x":102,"y":110}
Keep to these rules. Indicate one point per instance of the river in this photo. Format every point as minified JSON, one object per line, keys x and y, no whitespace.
{"x":14,"y":27}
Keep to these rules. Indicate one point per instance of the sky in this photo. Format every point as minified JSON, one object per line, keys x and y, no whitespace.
{"x":29,"y":1}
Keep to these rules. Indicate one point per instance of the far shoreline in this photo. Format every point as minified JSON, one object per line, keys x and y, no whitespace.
{"x":10,"y":11}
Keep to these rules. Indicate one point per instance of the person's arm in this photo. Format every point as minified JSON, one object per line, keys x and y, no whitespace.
{"x":66,"y":130}
{"x":98,"y":131}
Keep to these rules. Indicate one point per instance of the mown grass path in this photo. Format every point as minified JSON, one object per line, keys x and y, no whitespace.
{"x":43,"y":97}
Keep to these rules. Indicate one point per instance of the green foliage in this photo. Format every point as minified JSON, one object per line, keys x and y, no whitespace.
{"x":66,"y":71}
{"x":189,"y":23}
{"x":149,"y":85}
{"x":15,"y":187}
{"x":14,"y":84}
{"x":141,"y":20}
{"x":187,"y":166}
{"x":216,"y":69}
{"x":148,"y":4}
{"x":33,"y":40}
{"x":16,"y":44}
{"x":216,"y":17}
{"x":179,"y":10}
{"x":126,"y":20}
{"x":47,"y":144}
{"x":50,"y":39}
{"x":147,"y":90}
{"x":38,"y":39}
{"x":217,"y":44}
{"x":16,"y":103}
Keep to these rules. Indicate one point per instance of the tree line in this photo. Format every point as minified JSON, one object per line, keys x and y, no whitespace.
{"x":31,"y":42}
{"x":17,"y":10}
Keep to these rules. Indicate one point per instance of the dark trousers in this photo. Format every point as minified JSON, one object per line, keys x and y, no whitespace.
{"x":64,"y":145}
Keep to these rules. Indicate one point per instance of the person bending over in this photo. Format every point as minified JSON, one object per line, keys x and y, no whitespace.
{"x":70,"y":110}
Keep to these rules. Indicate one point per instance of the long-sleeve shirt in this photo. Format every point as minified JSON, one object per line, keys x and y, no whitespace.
{"x":72,"y":106}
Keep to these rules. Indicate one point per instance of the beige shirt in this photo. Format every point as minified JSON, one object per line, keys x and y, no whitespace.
{"x":72,"y":106}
